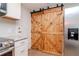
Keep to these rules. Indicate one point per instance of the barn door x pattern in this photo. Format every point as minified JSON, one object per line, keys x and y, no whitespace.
{"x":47,"y":31}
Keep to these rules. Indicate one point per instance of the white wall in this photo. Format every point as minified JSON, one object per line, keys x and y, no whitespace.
{"x":26,"y":16}
{"x":7,"y":27}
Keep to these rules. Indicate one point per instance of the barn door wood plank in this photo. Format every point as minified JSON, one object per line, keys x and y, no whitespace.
{"x":49,"y":24}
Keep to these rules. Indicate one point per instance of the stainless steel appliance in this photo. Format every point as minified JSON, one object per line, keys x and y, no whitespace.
{"x":71,"y":44}
{"x":3,"y":9}
{"x":6,"y":45}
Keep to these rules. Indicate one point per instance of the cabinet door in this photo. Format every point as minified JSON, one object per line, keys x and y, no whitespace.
{"x":13,"y":11}
{"x":21,"y":51}
{"x":21,"y":48}
{"x":22,"y":30}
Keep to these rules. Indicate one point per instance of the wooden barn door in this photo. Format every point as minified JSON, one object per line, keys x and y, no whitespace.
{"x":52,"y":30}
{"x":47,"y":31}
{"x":37,"y":42}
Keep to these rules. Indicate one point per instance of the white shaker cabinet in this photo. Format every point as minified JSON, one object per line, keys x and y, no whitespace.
{"x":13,"y":11}
{"x":21,"y":48}
{"x":23,"y":33}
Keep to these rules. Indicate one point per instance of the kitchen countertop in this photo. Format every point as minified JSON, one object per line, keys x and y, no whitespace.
{"x":13,"y":37}
{"x":9,"y":37}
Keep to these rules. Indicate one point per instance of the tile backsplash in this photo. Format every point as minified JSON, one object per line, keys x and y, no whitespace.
{"x":7,"y":27}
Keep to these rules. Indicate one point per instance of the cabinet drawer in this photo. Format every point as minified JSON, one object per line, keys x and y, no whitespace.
{"x":21,"y":51}
{"x":21,"y":43}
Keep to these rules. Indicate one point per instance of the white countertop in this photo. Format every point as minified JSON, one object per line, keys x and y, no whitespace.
{"x":18,"y":37}
{"x":9,"y":37}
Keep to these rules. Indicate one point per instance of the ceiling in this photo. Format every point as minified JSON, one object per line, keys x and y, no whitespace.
{"x":36,"y":6}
